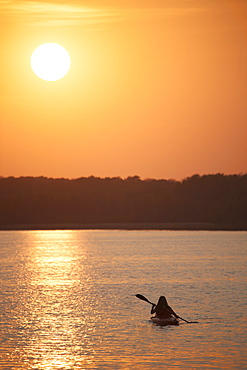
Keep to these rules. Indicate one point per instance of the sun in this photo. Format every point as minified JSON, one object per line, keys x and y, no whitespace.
{"x":50,"y":62}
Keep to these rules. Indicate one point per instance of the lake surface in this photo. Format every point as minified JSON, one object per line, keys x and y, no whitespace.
{"x":68,"y":299}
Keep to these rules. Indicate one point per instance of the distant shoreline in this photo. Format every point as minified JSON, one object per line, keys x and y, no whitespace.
{"x":127,"y":226}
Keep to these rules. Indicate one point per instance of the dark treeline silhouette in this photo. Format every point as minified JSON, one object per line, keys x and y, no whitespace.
{"x":216,"y":199}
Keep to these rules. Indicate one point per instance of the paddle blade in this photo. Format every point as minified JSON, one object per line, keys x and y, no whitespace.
{"x":140,"y":296}
{"x":188,"y":322}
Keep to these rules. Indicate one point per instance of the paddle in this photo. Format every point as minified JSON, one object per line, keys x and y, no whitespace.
{"x":140,"y":296}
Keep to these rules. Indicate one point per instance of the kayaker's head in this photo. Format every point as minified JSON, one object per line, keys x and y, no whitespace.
{"x":162,"y":301}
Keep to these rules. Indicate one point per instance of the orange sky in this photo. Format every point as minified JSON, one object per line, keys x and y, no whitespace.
{"x":156,"y":89}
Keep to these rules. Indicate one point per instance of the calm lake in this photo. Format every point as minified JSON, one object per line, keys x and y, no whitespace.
{"x":68,"y":299}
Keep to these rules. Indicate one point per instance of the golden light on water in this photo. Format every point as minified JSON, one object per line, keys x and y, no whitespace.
{"x":68,"y":299}
{"x":54,"y":305}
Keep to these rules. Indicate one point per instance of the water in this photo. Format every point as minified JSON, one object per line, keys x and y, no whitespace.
{"x":68,"y":299}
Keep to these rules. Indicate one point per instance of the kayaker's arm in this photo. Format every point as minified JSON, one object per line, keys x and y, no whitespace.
{"x":153,"y":308}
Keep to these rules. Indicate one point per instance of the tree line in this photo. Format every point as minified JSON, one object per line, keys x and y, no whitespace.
{"x":218,"y":199}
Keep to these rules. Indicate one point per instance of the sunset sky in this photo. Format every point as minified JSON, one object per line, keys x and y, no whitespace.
{"x":157,"y":88}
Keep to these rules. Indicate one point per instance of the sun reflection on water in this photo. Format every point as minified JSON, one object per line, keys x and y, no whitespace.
{"x":54,"y":303}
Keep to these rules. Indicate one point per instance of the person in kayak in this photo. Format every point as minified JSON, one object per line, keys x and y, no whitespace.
{"x":162,"y":310}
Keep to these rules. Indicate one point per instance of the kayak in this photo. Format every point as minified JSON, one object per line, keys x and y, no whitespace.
{"x":163,"y":322}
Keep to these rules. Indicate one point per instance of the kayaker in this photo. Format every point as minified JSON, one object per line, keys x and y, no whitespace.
{"x":162,"y":310}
